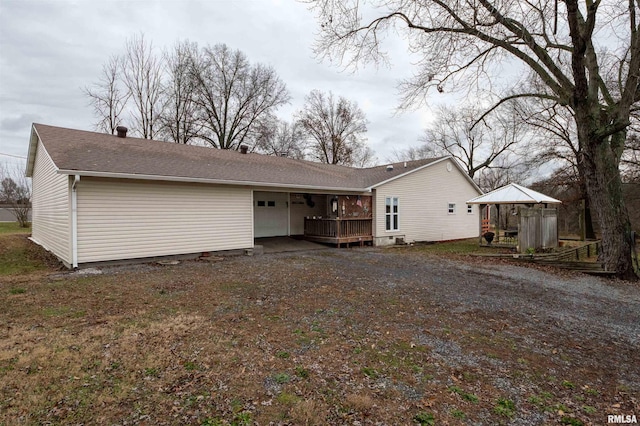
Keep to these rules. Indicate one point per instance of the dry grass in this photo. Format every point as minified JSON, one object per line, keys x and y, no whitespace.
{"x":281,"y":340}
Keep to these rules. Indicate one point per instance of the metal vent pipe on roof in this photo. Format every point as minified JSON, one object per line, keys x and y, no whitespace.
{"x":390,"y":167}
{"x":122,"y":131}
{"x":243,"y":149}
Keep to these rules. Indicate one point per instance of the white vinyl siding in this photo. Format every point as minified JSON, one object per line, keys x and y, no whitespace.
{"x":51,"y":219}
{"x":424,"y":197}
{"x":121,"y":219}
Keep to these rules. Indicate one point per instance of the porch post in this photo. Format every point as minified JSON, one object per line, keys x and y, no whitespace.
{"x":481,"y":219}
{"x":497,"y":223}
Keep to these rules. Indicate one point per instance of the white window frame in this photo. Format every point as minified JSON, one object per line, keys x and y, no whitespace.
{"x":451,"y":208}
{"x":469,"y":208}
{"x":389,"y":201}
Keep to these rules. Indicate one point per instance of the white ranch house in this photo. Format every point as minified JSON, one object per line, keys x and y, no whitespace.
{"x":99,"y":197}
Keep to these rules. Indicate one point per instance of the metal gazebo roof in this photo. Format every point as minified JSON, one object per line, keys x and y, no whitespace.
{"x":513,"y":194}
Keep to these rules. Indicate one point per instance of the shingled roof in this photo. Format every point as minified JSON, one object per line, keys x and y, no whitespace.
{"x":98,"y":154}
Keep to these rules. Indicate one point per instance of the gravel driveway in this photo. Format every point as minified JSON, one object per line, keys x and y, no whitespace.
{"x":591,"y":323}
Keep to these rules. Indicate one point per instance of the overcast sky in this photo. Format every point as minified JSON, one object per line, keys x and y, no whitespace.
{"x":51,"y":49}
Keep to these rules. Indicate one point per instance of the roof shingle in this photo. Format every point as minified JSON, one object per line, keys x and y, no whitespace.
{"x":90,"y":152}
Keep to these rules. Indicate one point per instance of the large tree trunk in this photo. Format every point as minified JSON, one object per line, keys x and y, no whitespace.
{"x":589,"y":232}
{"x":604,"y":188}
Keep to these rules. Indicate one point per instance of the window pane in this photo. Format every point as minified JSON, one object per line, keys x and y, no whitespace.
{"x":395,"y":221}
{"x":271,"y":203}
{"x":260,"y":203}
{"x":388,"y":208}
{"x":388,"y":225}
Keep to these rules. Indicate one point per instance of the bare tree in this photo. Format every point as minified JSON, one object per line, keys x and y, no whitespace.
{"x":15,"y":192}
{"x":335,"y":128}
{"x":413,"y":153}
{"x":475,"y":145}
{"x":142,"y":76}
{"x":281,"y":138}
{"x":233,"y":96}
{"x":630,"y":162}
{"x":462,"y":44}
{"x":107,"y":96}
{"x":178,"y":117}
{"x":556,"y":145}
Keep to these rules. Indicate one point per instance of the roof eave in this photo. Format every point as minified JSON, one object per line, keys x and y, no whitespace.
{"x":186,"y":179}
{"x":513,"y":202}
{"x":448,"y":157}
{"x":33,"y":146}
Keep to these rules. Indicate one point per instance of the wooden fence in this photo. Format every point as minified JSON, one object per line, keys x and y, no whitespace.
{"x":538,"y":229}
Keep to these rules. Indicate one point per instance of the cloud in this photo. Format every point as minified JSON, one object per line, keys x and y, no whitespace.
{"x":51,"y":49}
{"x":19,"y":122}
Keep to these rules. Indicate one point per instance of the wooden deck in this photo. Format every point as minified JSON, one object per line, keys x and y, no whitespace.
{"x":338,"y":231}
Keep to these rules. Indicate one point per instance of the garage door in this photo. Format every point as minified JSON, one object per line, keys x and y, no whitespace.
{"x":270,"y":214}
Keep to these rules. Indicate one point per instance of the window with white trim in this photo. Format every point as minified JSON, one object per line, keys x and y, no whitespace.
{"x":470,"y":208}
{"x":392,"y":214}
{"x":452,"y":208}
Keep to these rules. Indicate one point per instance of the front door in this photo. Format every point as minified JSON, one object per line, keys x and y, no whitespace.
{"x":270,"y":214}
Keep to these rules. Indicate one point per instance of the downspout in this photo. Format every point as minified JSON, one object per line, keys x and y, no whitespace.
{"x":74,"y":221}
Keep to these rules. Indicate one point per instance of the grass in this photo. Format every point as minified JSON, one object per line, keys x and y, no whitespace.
{"x":13,"y":228}
{"x":461,"y":247}
{"x":465,"y":395}
{"x":505,"y":407}
{"x":424,"y":419}
{"x":19,"y":256}
{"x":321,"y":347}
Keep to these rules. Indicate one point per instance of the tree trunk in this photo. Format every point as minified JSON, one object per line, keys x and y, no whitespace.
{"x":604,"y":188}
{"x":589,"y":233}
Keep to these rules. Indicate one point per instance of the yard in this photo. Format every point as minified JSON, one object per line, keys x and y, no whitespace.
{"x":352,"y":336}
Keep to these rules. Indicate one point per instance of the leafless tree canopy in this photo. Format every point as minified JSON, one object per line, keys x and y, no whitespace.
{"x":15,"y":192}
{"x":476,"y":146}
{"x":233,"y":95}
{"x":585,"y":55}
{"x":142,"y":75}
{"x":211,"y":95}
{"x":178,"y":116}
{"x":281,"y":138}
{"x":335,"y":129}
{"x":413,"y":153}
{"x":107,"y":96}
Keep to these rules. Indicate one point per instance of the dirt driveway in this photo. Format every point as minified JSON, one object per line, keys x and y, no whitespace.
{"x":351,"y":336}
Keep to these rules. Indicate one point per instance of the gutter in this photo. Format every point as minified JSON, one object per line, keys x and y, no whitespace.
{"x":74,"y":221}
{"x":79,"y":173}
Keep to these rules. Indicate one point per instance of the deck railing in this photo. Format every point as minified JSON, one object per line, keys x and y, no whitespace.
{"x":338,"y":229}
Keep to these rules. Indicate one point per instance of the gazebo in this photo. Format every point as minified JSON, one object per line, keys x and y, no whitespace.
{"x":516,"y":194}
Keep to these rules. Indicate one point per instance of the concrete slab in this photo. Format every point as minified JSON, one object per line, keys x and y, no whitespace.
{"x":284,"y":244}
